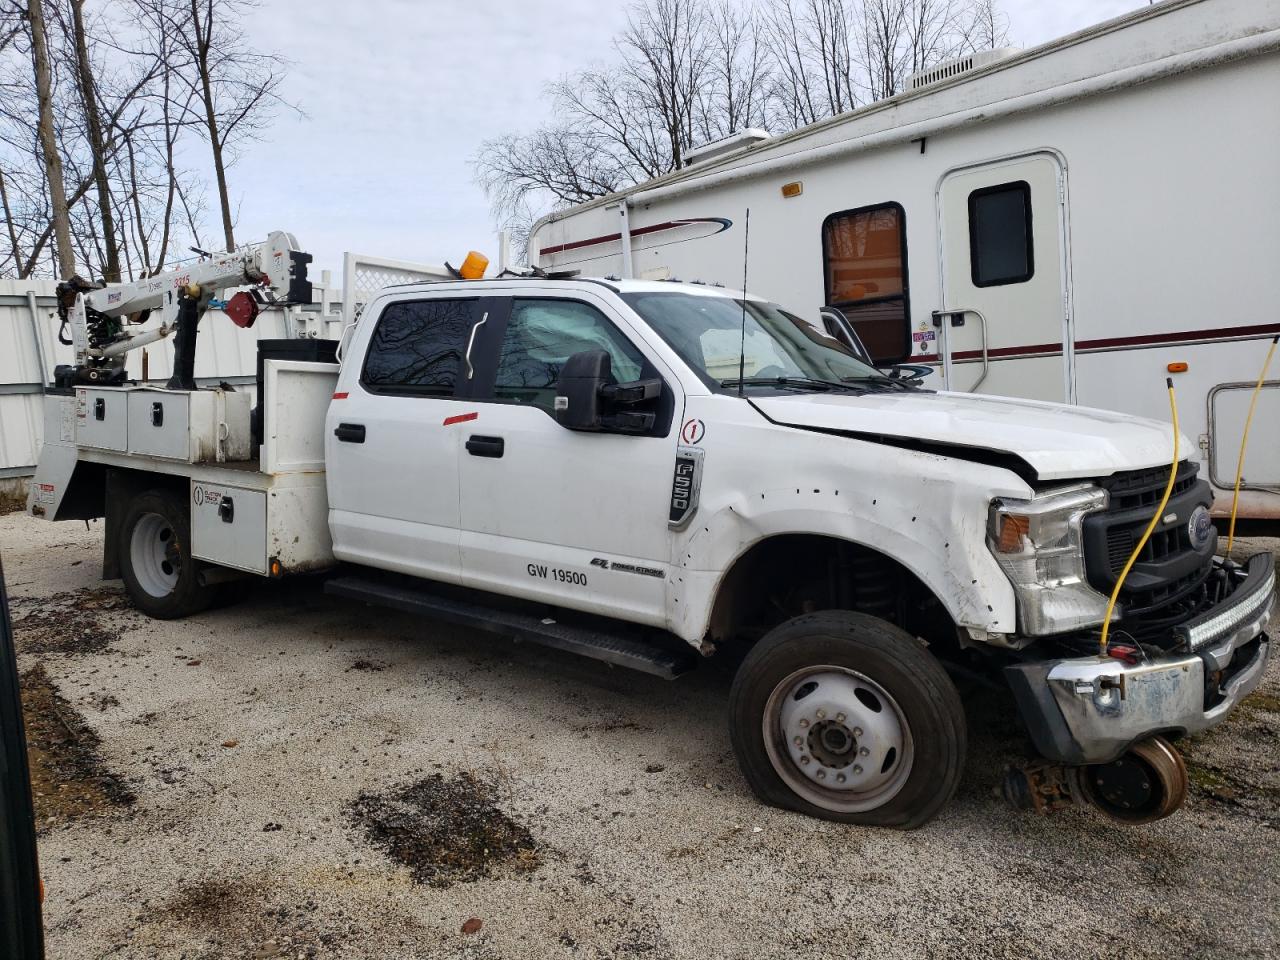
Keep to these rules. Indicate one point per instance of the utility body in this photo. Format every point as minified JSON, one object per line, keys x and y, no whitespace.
{"x":1067,"y":223}
{"x":651,"y":473}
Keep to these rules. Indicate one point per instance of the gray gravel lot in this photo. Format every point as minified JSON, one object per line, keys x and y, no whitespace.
{"x":246,"y":734}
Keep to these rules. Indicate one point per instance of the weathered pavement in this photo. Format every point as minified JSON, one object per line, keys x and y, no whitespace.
{"x":253,"y":781}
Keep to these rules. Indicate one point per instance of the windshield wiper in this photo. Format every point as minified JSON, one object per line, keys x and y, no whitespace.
{"x":795,"y":383}
{"x":879,"y":383}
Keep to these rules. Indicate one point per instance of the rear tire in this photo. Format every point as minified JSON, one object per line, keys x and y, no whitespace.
{"x":845,"y":717}
{"x":161,"y":576}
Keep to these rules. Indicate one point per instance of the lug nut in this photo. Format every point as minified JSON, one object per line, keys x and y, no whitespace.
{"x":799,"y":741}
{"x":822,"y":714}
{"x":864,"y":752}
{"x":857,"y":768}
{"x":804,"y":761}
{"x":839,"y":718}
{"x":803,"y":722}
{"x":857,"y":731}
{"x":840,"y":777}
{"x":822,"y":774}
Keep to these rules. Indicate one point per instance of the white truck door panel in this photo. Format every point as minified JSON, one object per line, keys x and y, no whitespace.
{"x":1002,"y":231}
{"x":577,"y":519}
{"x":391,"y":453}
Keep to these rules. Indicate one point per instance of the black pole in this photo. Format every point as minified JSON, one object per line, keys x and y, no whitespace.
{"x":184,"y":345}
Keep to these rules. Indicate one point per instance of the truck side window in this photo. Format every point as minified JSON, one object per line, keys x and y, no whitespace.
{"x":541,"y":335}
{"x":1000,"y":234}
{"x":417,"y":347}
{"x":864,"y":253}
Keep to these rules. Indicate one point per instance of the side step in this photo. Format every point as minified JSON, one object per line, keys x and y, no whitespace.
{"x":612,"y":647}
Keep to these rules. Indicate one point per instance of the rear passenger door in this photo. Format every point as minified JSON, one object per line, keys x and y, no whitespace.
{"x":390,"y":446}
{"x":577,"y":519}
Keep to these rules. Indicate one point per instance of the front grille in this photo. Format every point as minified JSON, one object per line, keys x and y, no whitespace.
{"x":1170,"y":565}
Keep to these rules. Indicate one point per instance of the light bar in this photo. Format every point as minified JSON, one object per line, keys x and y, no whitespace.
{"x":1222,"y":624}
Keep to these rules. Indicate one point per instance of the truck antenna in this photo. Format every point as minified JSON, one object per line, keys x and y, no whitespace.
{"x":742,"y":346}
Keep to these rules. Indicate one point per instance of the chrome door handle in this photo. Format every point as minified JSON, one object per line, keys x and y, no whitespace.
{"x":471,"y":342}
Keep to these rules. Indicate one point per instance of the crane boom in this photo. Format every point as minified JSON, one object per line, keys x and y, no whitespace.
{"x":275,"y":272}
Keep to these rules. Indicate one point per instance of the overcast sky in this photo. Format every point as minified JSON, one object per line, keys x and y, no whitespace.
{"x":399,"y":94}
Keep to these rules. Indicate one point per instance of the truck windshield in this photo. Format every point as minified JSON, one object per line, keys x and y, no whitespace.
{"x":780,"y":349}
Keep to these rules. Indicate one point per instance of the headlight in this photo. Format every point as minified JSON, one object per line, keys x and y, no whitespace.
{"x":1039,"y":545}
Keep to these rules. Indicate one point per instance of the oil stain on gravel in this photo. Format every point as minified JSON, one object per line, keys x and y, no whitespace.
{"x":66,"y":623}
{"x":445,"y":831}
{"x":68,"y":778}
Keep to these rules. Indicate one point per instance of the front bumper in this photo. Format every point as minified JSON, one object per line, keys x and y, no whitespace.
{"x":1091,"y":709}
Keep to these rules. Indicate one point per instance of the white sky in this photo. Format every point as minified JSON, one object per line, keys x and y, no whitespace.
{"x":399,"y":94}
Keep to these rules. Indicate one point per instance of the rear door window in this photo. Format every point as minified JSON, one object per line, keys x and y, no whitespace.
{"x":418,"y":346}
{"x":1000,"y":234}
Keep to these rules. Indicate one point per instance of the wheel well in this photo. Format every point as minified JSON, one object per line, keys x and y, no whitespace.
{"x":121,"y":486}
{"x":793,"y":574}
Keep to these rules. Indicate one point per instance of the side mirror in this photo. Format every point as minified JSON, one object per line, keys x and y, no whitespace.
{"x":585,"y":399}
{"x":582,"y":380}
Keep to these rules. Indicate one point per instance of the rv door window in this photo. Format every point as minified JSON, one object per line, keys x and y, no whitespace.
{"x":1000,"y":234}
{"x":417,"y":347}
{"x":865,"y":264}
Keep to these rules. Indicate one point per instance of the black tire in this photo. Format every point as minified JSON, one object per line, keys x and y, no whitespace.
{"x":166,"y":513}
{"x":924,"y":701}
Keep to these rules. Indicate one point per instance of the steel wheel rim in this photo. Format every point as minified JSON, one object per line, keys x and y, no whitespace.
{"x":831,"y":745}
{"x":156,"y":555}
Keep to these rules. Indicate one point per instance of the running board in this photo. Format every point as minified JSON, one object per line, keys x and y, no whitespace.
{"x":615,"y":648}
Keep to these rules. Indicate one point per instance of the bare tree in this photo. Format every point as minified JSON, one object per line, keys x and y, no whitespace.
{"x":94,"y":132}
{"x":236,"y":86}
{"x":60,"y":215}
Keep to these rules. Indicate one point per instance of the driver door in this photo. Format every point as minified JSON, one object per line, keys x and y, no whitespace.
{"x":575,"y":519}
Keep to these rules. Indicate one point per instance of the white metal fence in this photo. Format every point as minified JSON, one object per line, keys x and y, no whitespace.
{"x":29,"y":347}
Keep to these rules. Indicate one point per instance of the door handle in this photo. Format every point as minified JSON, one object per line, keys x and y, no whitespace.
{"x":471,"y":342}
{"x":350,"y":432}
{"x":479,"y":446}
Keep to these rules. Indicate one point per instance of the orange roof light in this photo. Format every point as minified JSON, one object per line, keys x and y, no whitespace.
{"x":1177,"y":367}
{"x":792,"y":189}
{"x":474,"y":266}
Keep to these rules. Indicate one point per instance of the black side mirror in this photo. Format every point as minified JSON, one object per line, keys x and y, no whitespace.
{"x":582,"y":379}
{"x":585,"y":399}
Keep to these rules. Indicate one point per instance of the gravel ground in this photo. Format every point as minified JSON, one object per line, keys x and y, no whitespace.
{"x":297,"y":776}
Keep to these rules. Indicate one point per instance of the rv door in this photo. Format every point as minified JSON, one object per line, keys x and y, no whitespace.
{"x":1005,"y":325}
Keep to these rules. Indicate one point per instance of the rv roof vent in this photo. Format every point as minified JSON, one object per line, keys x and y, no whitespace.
{"x":953,"y":68}
{"x":718,"y":148}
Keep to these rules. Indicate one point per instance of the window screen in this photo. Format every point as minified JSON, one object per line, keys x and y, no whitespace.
{"x":865,"y":262}
{"x":542,"y":334}
{"x":1000,"y":234}
{"x":417,"y":347}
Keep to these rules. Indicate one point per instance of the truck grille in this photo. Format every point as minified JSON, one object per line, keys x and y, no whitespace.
{"x":1170,"y":565}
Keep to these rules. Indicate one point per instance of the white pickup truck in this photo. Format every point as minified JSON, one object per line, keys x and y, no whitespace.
{"x":651,"y":472}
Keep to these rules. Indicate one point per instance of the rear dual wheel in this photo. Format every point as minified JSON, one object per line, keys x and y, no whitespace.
{"x":845,"y":717}
{"x":161,"y":576}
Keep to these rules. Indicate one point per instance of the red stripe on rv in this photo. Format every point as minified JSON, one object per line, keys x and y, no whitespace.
{"x":341,"y":396}
{"x":610,"y":237}
{"x":460,"y":418}
{"x":1110,"y":343}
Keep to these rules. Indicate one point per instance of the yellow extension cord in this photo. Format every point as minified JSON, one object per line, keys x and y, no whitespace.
{"x":1253,"y":402}
{"x":1146,"y":535}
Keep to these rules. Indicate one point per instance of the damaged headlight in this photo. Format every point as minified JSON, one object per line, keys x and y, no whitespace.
{"x":1039,"y":543}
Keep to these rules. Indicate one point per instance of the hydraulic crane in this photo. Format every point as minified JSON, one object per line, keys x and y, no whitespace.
{"x":99,"y":318}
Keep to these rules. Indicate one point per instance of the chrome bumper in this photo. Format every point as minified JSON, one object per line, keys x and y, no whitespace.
{"x":1092,"y":709}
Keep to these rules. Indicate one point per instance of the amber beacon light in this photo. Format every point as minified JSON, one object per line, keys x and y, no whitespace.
{"x":474,"y":266}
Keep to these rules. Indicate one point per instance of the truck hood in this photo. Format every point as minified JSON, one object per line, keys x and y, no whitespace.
{"x":1057,"y":441}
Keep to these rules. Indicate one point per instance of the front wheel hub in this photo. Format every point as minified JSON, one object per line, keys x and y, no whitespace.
{"x":838,"y":738}
{"x":1146,"y":783}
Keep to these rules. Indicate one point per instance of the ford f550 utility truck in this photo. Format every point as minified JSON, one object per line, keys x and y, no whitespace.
{"x":650,"y":472}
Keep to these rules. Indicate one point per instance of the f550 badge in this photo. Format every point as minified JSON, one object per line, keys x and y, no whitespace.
{"x":686,"y":483}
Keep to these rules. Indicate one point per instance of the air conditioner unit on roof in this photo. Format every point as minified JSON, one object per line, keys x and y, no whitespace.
{"x":953,"y":68}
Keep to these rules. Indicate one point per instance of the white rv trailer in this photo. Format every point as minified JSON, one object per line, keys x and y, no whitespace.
{"x":1073,"y":222}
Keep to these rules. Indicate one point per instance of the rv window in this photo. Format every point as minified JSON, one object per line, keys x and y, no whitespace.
{"x":417,"y":347}
{"x":865,"y":263}
{"x":1000,"y":234}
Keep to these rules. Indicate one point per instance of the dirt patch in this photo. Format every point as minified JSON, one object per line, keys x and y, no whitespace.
{"x":68,"y":778}
{"x":368,"y":666}
{"x":445,"y":831}
{"x":12,"y":500}
{"x":67,"y":623}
